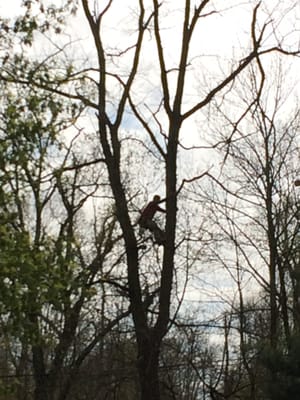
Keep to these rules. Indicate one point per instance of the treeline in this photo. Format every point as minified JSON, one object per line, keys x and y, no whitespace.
{"x":90,"y":129}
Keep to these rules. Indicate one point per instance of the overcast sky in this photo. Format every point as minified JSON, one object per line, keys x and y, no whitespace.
{"x":222,"y":37}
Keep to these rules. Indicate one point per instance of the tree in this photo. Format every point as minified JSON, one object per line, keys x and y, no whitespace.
{"x":257,"y":219}
{"x":110,"y":90}
{"x":149,"y":337}
{"x":49,"y":277}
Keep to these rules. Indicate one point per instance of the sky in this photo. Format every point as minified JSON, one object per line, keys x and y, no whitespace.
{"x":221,"y":36}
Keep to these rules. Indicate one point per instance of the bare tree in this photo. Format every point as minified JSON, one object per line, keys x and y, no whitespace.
{"x":255,"y":210}
{"x":108,"y":89}
{"x":50,"y":276}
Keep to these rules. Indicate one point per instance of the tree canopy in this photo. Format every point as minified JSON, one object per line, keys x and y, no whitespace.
{"x":103,"y":106}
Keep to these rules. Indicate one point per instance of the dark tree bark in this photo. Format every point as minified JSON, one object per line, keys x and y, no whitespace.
{"x":149,"y":335}
{"x":149,"y":338}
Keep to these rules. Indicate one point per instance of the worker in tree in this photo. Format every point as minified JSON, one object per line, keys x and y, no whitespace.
{"x":146,"y":219}
{"x":297,"y":183}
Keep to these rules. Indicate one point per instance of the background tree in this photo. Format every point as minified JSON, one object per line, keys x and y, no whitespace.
{"x":108,"y":89}
{"x":50,"y":275}
{"x":257,"y":219}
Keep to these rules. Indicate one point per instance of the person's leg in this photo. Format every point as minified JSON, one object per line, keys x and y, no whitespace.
{"x":159,"y":234}
{"x":151,"y":225}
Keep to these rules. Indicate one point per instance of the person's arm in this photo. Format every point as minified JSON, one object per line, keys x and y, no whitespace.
{"x":160,"y":209}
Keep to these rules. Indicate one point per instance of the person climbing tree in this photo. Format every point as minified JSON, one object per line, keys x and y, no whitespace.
{"x":146,"y":219}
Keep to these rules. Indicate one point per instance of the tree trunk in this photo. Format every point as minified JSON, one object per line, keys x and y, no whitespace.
{"x":40,"y":378}
{"x":148,"y":362}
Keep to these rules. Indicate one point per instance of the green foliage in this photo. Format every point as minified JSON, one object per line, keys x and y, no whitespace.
{"x":43,"y":279}
{"x":37,"y":17}
{"x":8,"y":389}
{"x":32,"y":276}
{"x":284,"y":370}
